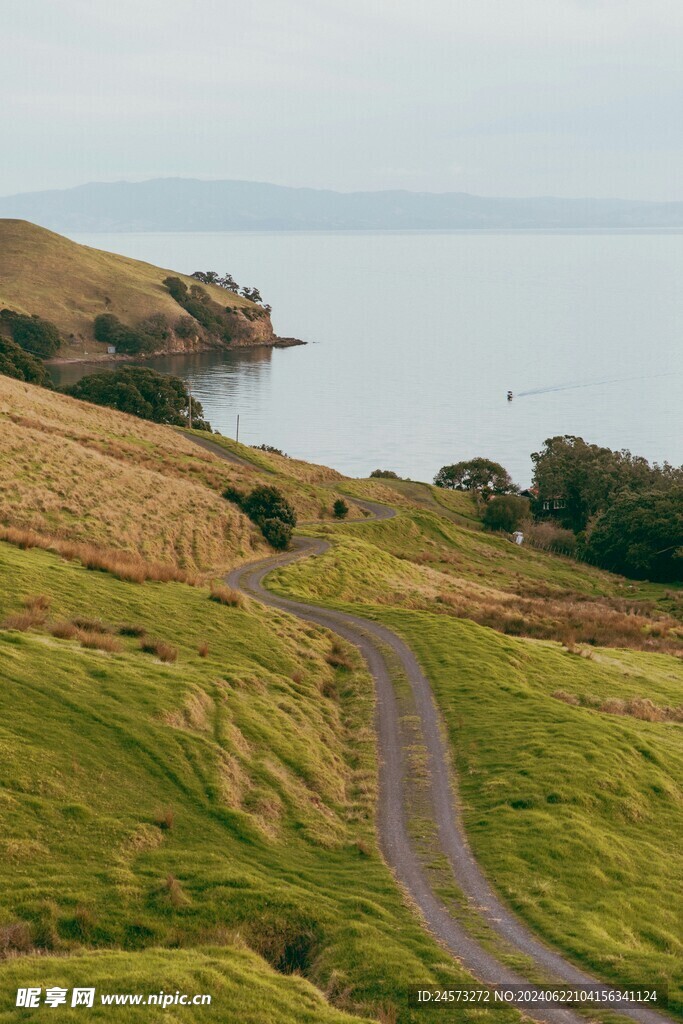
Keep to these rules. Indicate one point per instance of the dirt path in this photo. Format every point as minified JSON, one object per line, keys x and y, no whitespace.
{"x":373,"y":640}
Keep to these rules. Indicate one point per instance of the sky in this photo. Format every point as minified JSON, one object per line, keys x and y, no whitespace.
{"x":494,"y":97}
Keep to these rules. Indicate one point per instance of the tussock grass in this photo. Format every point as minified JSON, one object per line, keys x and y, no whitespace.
{"x":222,"y":594}
{"x":160,"y":649}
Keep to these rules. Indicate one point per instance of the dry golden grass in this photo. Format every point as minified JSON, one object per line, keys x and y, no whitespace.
{"x":71,"y":472}
{"x":226,"y":595}
{"x":23,"y":621}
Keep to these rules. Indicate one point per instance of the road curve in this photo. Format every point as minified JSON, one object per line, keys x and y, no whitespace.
{"x":371,"y":638}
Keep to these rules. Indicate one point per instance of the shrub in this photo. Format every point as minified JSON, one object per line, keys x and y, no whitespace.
{"x":505,"y":512}
{"x":549,"y":536}
{"x":340,"y":509}
{"x":203,"y":649}
{"x":277,"y":532}
{"x":235,"y":495}
{"x":385,"y":474}
{"x":37,"y":336}
{"x":162,"y":650}
{"x":37,"y":603}
{"x":15,"y":938}
{"x":264,"y":503}
{"x":108,"y":329}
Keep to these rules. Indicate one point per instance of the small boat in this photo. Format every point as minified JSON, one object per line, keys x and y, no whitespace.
{"x":509,"y":396}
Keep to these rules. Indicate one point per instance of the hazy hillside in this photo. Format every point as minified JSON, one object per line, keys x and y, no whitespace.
{"x":69,"y":284}
{"x":179,"y":204}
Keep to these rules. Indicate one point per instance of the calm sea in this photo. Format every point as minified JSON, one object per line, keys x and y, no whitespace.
{"x":415,"y":338}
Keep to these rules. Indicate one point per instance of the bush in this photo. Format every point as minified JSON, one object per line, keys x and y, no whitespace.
{"x":548,"y":536}
{"x":235,"y":495}
{"x":142,"y":392}
{"x":505,"y":512}
{"x":226,"y":595}
{"x":385,"y":474}
{"x":14,"y":362}
{"x":162,"y":650}
{"x":269,"y":503}
{"x":340,"y":509}
{"x":37,"y":336}
{"x":277,"y":532}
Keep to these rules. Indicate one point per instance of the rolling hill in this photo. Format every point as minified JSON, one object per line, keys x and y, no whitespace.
{"x":45,"y":274}
{"x":188,"y":783}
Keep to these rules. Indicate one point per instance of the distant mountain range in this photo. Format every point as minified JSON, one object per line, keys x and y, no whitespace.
{"x":182,"y":204}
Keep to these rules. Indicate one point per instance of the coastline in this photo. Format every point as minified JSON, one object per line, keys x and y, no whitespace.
{"x":104,"y":357}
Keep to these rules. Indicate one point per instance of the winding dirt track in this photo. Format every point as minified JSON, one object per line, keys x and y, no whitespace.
{"x":372,"y":639}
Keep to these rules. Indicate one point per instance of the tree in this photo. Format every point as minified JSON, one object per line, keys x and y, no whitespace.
{"x":641,"y":535}
{"x":35,"y":335}
{"x":269,"y":503}
{"x":253,"y":294}
{"x":14,"y":362}
{"x":147,"y":336}
{"x":505,"y":512}
{"x":340,"y":509}
{"x":385,"y":474}
{"x":481,"y":475}
{"x":141,"y":392}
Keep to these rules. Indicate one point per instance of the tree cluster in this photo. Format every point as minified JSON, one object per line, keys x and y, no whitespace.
{"x":15,"y":362}
{"x":627,"y":514}
{"x":270,"y":510}
{"x":142,"y":392}
{"x":37,"y":336}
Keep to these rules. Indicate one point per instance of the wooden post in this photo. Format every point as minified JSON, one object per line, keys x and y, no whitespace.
{"x":189,"y":406}
{"x":237,"y":434}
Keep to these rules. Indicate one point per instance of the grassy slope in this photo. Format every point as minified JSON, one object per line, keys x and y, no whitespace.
{"x":87,"y":473}
{"x":264,"y":753}
{"x":73,"y":283}
{"x":575,"y":814}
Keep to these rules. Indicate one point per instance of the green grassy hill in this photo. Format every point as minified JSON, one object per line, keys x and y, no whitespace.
{"x":188,"y":787}
{"x":69,"y":284}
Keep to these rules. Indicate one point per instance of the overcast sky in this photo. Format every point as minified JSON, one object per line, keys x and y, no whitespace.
{"x":496,"y":97}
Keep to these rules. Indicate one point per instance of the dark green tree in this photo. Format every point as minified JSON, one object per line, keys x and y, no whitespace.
{"x":340,"y":509}
{"x":641,"y":535}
